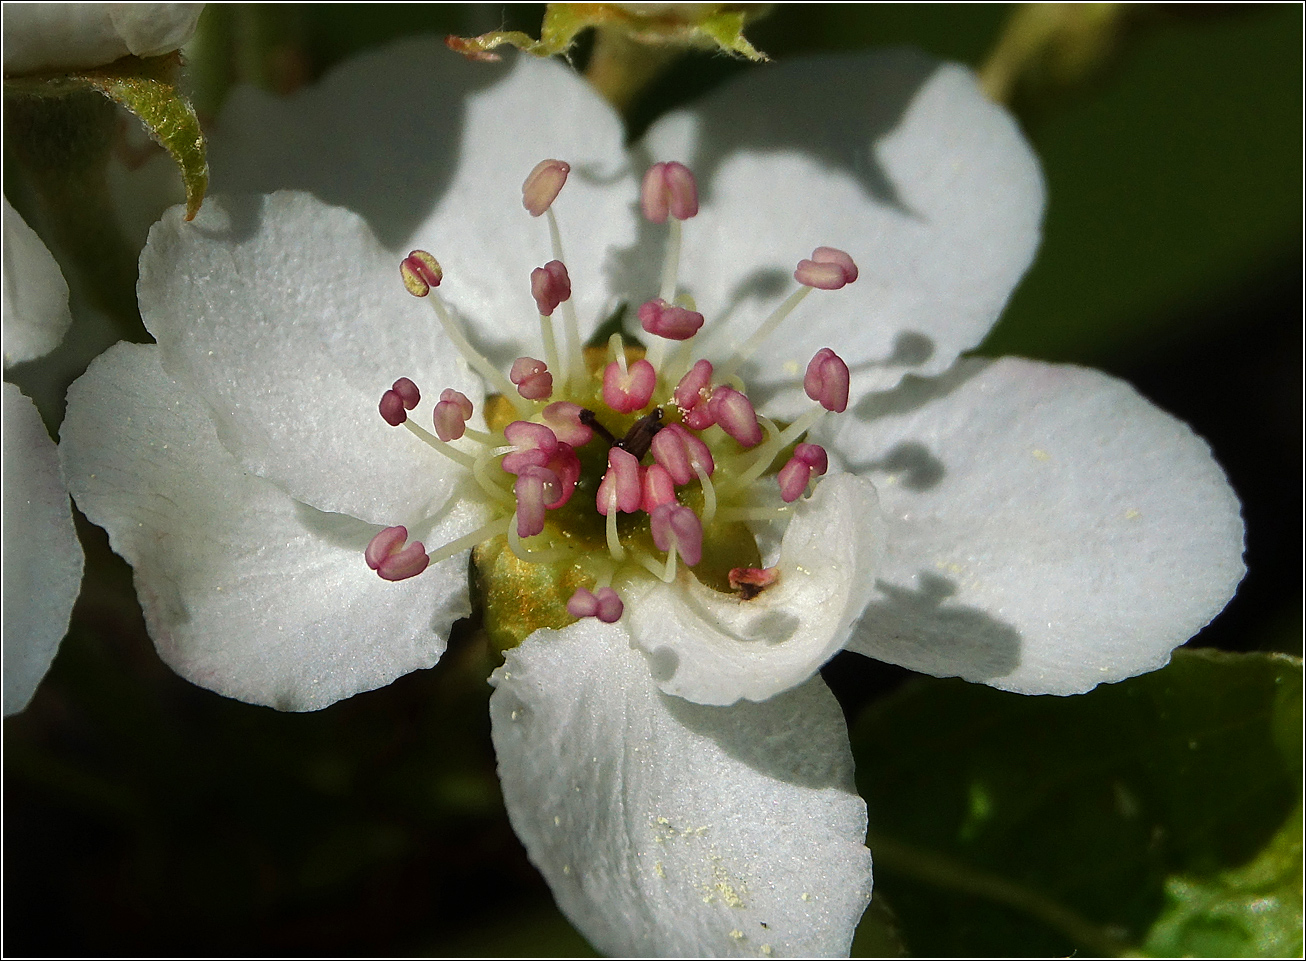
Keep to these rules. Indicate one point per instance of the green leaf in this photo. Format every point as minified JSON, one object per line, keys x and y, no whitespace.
{"x":1144,"y":815}
{"x":147,"y":87}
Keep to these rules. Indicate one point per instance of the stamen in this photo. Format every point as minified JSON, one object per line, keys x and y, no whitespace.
{"x":677,"y":528}
{"x":543,"y":184}
{"x":392,"y":408}
{"x":628,"y":388}
{"x":407,"y":392}
{"x":829,"y":269}
{"x":387,"y":556}
{"x":534,"y":445}
{"x":420,"y":272}
{"x":532,"y":377}
{"x":735,"y":414}
{"x":603,"y":604}
{"x":709,"y":494}
{"x":568,"y":423}
{"x":536,"y":487}
{"x":550,"y":286}
{"x":681,"y":454}
{"x":450,"y":415}
{"x":620,"y":489}
{"x":692,"y":395}
{"x":422,"y":266}
{"x":826,"y":381}
{"x":575,"y":349}
{"x":748,"y":582}
{"x":669,"y":188}
{"x":453,"y":453}
{"x":661,"y":319}
{"x":494,"y":528}
{"x":809,"y":461}
{"x":658,"y":489}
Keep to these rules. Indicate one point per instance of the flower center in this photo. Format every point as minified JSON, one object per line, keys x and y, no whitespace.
{"x":604,"y":464}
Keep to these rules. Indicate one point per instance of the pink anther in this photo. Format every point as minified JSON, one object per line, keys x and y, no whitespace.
{"x":407,"y":392}
{"x":669,"y":188}
{"x":420,"y":272}
{"x":692,"y":394}
{"x":542,"y":186}
{"x":748,"y":582}
{"x":679,"y":452}
{"x":392,"y":408}
{"x":387,"y":555}
{"x":535,"y":444}
{"x":605,"y":605}
{"x":550,"y":286}
{"x":826,"y":381}
{"x":535,"y":488}
{"x":630,"y":390}
{"x":829,"y":269}
{"x":566,"y":465}
{"x":532,"y":377}
{"x":564,"y":420}
{"x":658,"y":488}
{"x":678,"y":527}
{"x":809,"y":461}
{"x":620,"y":487}
{"x":450,"y":415}
{"x":666,"y":320}
{"x":735,"y":413}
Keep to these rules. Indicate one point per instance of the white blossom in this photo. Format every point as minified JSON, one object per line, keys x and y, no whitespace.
{"x":681,"y":776}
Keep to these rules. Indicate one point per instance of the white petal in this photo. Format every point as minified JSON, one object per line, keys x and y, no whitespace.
{"x":290,"y":321}
{"x":714,"y":648}
{"x":432,"y":150}
{"x":245,"y":591}
{"x":670,"y":828}
{"x":898,"y":160}
{"x":1048,"y":528}
{"x":36,"y":311}
{"x":64,"y":36}
{"x":42,"y":557}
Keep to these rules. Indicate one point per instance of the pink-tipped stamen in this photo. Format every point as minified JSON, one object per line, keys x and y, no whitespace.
{"x":392,"y":407}
{"x":829,"y":269}
{"x":535,"y":444}
{"x":631,"y":389}
{"x":826,"y":381}
{"x":677,"y":528}
{"x":669,"y":189}
{"x":387,"y":555}
{"x":658,"y":488}
{"x":735,"y":414}
{"x":420,"y":272}
{"x":543,"y":184}
{"x":532,"y":377}
{"x":535,"y":488}
{"x":604,"y":604}
{"x":661,"y":319}
{"x":620,"y":489}
{"x":408,"y":392}
{"x":564,"y":419}
{"x":748,"y":582}
{"x":809,"y":461}
{"x":550,"y":286}
{"x":681,"y":454}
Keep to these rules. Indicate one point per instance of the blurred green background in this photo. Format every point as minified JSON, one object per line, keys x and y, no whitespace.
{"x":146,"y":816}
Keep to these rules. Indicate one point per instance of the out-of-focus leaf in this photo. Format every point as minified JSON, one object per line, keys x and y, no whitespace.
{"x":1254,"y":911}
{"x":1177,"y":177}
{"x":1010,"y":825}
